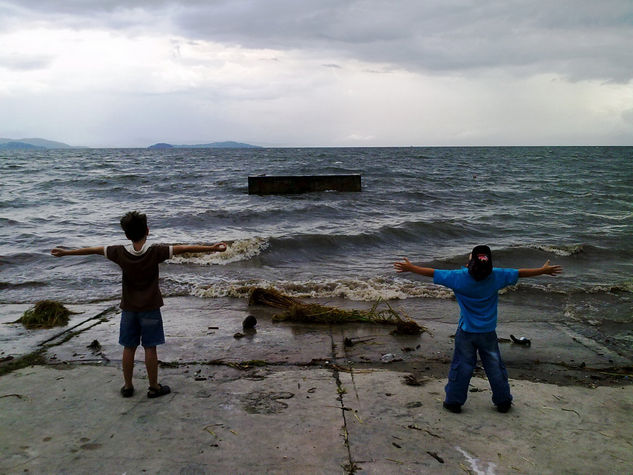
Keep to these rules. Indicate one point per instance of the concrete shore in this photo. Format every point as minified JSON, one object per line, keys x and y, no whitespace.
{"x":293,"y":398}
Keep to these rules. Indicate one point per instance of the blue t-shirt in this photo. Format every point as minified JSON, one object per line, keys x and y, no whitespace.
{"x":477,"y":299}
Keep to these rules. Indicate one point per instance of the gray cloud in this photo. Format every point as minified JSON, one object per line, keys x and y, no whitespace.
{"x":580,"y":39}
{"x":24,"y":63}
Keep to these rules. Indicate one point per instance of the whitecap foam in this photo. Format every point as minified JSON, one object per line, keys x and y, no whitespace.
{"x":563,"y":251}
{"x":367,"y":290}
{"x":240,"y":250}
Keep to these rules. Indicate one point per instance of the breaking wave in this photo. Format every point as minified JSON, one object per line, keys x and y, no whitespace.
{"x":563,"y":251}
{"x":240,"y":250}
{"x":368,"y":290}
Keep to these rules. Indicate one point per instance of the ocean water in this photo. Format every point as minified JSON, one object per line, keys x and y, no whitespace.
{"x":572,"y":205}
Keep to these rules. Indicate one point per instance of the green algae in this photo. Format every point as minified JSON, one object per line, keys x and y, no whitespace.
{"x":45,"y":314}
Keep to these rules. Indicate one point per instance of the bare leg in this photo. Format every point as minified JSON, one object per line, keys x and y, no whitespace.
{"x":151,"y":364}
{"x":128,"y":365}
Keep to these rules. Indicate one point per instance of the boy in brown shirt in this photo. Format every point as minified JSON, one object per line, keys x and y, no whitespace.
{"x":141,"y":299}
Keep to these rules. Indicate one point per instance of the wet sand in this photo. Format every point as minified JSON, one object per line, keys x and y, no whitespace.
{"x":293,"y":398}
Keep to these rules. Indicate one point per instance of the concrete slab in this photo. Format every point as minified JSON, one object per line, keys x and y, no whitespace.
{"x":202,"y":331}
{"x":75,"y":421}
{"x":303,"y":420}
{"x":395,"y":428}
{"x":16,"y":340}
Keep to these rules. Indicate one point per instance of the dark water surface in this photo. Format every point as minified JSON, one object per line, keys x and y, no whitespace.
{"x":573,"y":205}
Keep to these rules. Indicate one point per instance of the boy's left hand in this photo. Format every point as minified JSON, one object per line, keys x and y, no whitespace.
{"x":57,"y":252}
{"x":550,"y":269}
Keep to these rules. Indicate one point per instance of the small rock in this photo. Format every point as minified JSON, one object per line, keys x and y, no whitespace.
{"x":239,"y":335}
{"x":249,"y":322}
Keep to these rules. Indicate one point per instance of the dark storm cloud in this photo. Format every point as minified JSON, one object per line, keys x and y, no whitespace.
{"x":581,"y":39}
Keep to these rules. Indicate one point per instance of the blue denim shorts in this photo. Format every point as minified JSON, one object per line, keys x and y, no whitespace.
{"x":141,"y":327}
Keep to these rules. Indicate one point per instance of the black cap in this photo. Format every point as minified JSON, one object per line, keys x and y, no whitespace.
{"x":480,"y":264}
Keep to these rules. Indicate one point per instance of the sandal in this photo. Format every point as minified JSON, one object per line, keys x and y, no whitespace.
{"x":157,"y":392}
{"x":127,"y":392}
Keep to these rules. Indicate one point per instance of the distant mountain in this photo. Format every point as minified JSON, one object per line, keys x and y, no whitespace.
{"x":34,"y":143}
{"x":19,"y":146}
{"x":162,"y":145}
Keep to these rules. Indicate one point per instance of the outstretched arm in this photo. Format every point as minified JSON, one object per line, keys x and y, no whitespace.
{"x":406,"y":266}
{"x":546,"y":269}
{"x":181,"y":249}
{"x":83,"y":251}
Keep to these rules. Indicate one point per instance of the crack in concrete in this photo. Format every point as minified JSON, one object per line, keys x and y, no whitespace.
{"x":351,"y":466}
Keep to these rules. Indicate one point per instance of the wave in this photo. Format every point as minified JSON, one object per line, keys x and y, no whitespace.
{"x":577,"y":251}
{"x":313,"y":245}
{"x":13,"y":285}
{"x":371,"y":289}
{"x":368,"y":290}
{"x":536,"y":287}
{"x":560,"y":250}
{"x":240,"y":250}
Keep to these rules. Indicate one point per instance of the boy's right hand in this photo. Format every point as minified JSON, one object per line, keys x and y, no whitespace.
{"x":57,"y":252}
{"x":404,"y":266}
{"x":220,"y":247}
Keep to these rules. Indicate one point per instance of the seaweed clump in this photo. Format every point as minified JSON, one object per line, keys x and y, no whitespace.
{"x":45,"y":314}
{"x":296,"y":311}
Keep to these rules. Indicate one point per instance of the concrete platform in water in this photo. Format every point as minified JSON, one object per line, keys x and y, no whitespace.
{"x":295,"y":184}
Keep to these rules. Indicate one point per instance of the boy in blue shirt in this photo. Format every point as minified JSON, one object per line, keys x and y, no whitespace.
{"x":476,"y":289}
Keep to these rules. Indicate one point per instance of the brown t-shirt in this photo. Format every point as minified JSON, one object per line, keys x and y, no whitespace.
{"x":140,"y":291}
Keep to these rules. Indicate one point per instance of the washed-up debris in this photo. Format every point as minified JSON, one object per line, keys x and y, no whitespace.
{"x":349,"y":342}
{"x":45,"y":314}
{"x":296,"y":311}
{"x":244,"y":365}
{"x":19,"y":396}
{"x":95,"y":345}
{"x":476,"y":390}
{"x":521,"y":341}
{"x":390,"y":358}
{"x":239,"y":335}
{"x":412,"y":380}
{"x":435,"y":456}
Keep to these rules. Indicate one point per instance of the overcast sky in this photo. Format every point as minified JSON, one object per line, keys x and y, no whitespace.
{"x":318,"y":72}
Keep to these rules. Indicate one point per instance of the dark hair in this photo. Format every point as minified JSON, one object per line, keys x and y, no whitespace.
{"x":134,"y":225}
{"x":480,"y":264}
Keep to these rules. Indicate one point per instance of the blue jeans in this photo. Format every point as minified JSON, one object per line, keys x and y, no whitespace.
{"x":464,"y":360}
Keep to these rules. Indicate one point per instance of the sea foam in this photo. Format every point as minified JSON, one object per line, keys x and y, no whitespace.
{"x":240,"y":250}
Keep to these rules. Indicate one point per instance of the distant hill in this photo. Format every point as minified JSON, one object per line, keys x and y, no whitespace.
{"x":19,"y":146}
{"x":162,"y":145}
{"x":32,"y":144}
